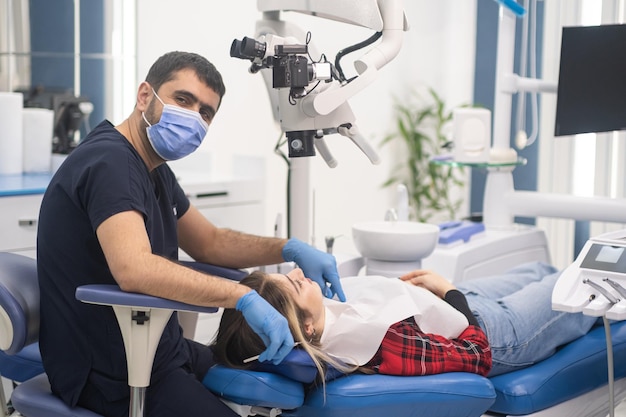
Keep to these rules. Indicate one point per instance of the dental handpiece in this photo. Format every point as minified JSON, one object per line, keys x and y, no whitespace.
{"x":612,"y":299}
{"x":621,"y":290}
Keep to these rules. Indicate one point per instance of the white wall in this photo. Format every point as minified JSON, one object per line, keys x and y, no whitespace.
{"x":438,"y":52}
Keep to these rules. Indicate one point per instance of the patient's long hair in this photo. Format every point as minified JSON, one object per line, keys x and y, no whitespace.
{"x":236,"y":341}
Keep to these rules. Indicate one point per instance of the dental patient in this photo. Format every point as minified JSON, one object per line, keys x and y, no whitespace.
{"x":419,"y":324}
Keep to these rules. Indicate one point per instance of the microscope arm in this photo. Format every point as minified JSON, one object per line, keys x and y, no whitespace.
{"x":309,"y":109}
{"x":367,"y":66}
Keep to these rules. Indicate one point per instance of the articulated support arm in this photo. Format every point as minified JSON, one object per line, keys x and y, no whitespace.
{"x":310,"y":99}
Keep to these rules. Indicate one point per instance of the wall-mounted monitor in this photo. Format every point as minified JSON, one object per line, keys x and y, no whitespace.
{"x":591,"y":94}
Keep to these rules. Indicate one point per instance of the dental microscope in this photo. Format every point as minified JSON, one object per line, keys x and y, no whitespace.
{"x":308,"y":93}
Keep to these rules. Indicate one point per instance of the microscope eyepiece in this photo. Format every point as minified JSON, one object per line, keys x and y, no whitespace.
{"x":247,"y":48}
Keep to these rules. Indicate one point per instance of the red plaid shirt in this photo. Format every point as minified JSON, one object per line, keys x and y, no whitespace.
{"x":406,"y":350}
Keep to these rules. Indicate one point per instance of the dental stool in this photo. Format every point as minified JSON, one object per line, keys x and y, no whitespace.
{"x":572,"y":382}
{"x":19,"y":330}
{"x":141,"y":318}
{"x":19,"y":356}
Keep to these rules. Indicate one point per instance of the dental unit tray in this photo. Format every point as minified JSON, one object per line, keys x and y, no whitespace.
{"x":595,"y":284}
{"x":455,"y":231}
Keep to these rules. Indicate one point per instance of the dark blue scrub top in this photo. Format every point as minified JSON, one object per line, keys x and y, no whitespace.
{"x":81,"y":343}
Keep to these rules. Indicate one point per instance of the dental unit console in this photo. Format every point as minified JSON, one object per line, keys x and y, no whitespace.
{"x":595,"y":284}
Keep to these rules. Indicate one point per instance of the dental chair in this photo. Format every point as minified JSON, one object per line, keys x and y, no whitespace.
{"x":573,"y":382}
{"x":444,"y":395}
{"x":287,"y":388}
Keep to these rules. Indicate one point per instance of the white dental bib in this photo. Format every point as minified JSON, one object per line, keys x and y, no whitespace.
{"x":354,"y":330}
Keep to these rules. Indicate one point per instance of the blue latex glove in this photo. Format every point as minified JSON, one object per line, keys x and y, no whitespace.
{"x":317,"y":265}
{"x":269,"y":324}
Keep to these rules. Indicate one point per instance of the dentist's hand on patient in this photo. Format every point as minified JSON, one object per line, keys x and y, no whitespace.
{"x":316,"y":265}
{"x":269,"y":324}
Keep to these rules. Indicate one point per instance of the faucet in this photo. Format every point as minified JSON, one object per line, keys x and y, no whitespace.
{"x":402,"y":203}
{"x":391,"y":215}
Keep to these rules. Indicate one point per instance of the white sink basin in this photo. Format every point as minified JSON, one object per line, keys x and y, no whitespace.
{"x":395,"y":241}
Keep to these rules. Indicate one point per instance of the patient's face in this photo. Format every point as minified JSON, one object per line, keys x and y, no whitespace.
{"x":306,"y":293}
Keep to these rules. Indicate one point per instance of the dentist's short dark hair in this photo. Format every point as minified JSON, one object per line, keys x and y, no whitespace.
{"x":164,"y":69}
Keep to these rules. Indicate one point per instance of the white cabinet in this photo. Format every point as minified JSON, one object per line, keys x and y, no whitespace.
{"x":20,"y":199}
{"x":233,"y":203}
{"x":236,"y":203}
{"x":18,"y":223}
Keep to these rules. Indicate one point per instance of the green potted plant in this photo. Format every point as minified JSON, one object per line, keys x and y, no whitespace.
{"x":421,"y":125}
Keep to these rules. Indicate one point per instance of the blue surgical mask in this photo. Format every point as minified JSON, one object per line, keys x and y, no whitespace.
{"x":179,"y":132}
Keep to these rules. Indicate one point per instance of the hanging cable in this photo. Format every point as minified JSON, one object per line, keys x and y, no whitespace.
{"x":533,"y":73}
{"x":351,"y":49}
{"x":280,"y":142}
{"x":522,"y":140}
{"x":520,"y":119}
{"x":610,"y":365}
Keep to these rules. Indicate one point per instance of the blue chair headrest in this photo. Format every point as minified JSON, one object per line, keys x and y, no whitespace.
{"x":298,"y":366}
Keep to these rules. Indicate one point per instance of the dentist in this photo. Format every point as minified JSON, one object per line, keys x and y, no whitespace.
{"x":114,"y":213}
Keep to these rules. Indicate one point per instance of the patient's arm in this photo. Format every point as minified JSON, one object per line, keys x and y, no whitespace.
{"x":429,"y":280}
{"x":441,"y":287}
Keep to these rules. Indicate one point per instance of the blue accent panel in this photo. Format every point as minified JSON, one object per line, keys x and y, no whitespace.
{"x":52,"y":25}
{"x":581,"y":235}
{"x":524,"y":177}
{"x":52,"y":31}
{"x":484,"y":83}
{"x":52,"y":46}
{"x":92,"y":69}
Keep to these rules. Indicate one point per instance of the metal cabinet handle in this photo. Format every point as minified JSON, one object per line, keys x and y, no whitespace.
{"x":211,"y":195}
{"x":27,"y":222}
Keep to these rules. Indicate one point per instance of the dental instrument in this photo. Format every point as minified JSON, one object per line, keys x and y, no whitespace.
{"x":618,"y":287}
{"x":255,"y":357}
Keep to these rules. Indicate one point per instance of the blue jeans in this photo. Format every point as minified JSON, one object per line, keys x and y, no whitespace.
{"x":515,"y":311}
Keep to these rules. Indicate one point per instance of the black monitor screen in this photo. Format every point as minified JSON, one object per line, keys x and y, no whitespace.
{"x":592,"y":80}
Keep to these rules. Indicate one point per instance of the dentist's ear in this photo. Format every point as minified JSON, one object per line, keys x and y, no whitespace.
{"x":144,"y":96}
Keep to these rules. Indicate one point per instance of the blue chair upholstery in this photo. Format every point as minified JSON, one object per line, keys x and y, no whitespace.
{"x":19,"y":299}
{"x":577,"y":368}
{"x":24,"y":365}
{"x":33,"y":398}
{"x":443,"y":395}
{"x":550,"y":382}
{"x":286,"y":387}
{"x":20,"y":359}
